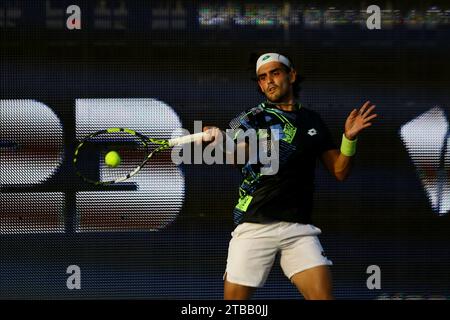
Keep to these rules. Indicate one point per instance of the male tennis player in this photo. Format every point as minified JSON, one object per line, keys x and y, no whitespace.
{"x":274,"y":211}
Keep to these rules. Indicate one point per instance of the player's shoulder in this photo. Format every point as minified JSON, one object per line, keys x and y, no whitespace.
{"x":247,"y":117}
{"x":308,"y":110}
{"x":313,"y":114}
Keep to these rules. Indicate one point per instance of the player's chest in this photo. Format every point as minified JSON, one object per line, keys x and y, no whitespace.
{"x":300,"y":133}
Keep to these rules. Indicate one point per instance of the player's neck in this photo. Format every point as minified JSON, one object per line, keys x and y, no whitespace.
{"x":287,"y":104}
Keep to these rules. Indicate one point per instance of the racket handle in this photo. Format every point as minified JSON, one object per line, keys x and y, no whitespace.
{"x":186,"y":139}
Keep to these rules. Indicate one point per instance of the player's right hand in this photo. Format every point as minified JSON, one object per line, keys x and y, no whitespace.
{"x":212,"y":134}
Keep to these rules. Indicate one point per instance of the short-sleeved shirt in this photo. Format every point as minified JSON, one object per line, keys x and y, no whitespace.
{"x":287,"y":195}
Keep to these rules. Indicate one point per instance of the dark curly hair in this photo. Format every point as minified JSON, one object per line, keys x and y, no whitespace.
{"x":295,"y":86}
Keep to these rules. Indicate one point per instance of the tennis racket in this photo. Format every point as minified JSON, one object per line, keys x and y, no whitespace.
{"x":135,"y":150}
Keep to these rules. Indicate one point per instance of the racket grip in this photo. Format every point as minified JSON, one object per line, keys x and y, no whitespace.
{"x":186,"y":139}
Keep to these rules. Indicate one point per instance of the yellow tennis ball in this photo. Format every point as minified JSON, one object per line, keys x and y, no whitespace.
{"x":112,"y":159}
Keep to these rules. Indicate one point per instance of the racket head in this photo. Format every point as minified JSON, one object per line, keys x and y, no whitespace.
{"x":134,"y":148}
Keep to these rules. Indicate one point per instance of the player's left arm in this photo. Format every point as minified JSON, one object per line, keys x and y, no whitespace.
{"x":339,"y":162}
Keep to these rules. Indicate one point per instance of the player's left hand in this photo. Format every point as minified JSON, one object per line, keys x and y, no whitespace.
{"x":359,"y":120}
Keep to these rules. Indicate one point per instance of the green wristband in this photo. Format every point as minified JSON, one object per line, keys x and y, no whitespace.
{"x":348,"y":147}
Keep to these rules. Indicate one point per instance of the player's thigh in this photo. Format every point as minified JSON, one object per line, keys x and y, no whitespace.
{"x":234,"y":291}
{"x":304,"y":262}
{"x":300,"y":253}
{"x":251,"y":254}
{"x":314,"y":283}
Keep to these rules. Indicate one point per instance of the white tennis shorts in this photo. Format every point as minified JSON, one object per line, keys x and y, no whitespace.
{"x":253,"y":248}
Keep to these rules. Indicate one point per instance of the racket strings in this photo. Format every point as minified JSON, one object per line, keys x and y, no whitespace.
{"x":90,"y":157}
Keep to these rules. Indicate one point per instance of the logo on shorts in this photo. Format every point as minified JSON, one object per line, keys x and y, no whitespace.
{"x":312,"y":132}
{"x":323,"y":254}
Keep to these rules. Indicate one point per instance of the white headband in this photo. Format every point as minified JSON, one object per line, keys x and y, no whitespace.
{"x":269,"y":57}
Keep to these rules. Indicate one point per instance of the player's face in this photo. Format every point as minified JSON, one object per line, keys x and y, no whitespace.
{"x":275,"y":81}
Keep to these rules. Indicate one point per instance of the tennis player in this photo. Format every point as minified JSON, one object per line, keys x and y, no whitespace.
{"x":273,"y":214}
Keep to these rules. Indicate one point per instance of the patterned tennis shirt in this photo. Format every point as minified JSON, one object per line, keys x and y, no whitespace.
{"x":302,"y":137}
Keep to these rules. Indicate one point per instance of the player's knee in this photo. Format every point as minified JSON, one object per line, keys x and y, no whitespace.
{"x":236,"y":294}
{"x":234,"y":291}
